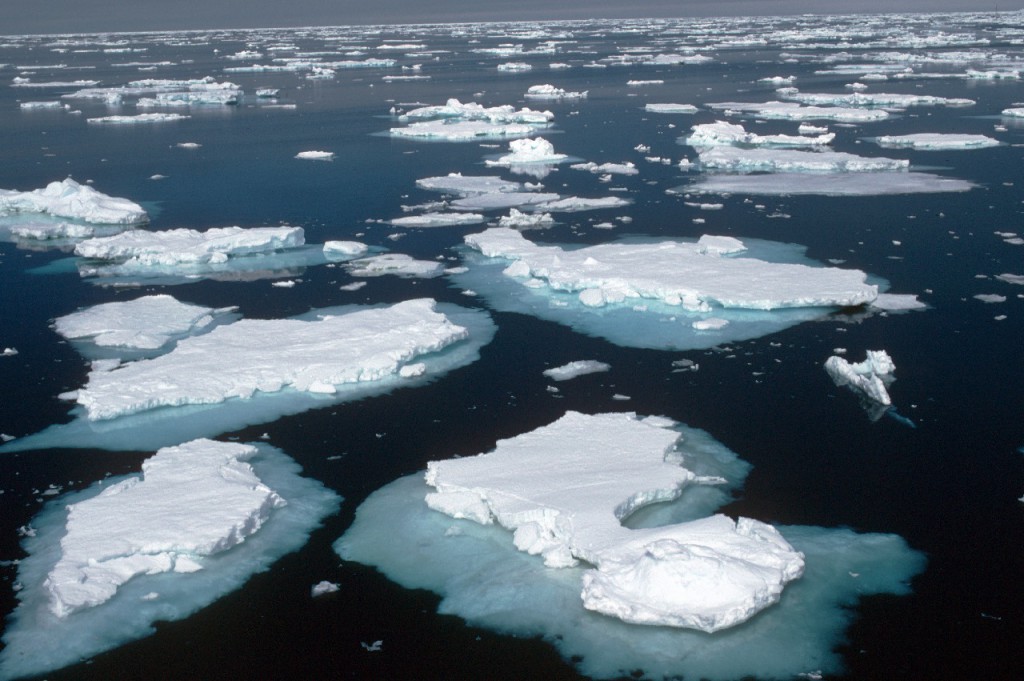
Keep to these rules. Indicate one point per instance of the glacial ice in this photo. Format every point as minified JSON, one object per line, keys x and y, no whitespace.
{"x":936,"y":141}
{"x":106,"y":563}
{"x":577,"y":368}
{"x":146,"y":323}
{"x":707,"y":574}
{"x":735,"y":159}
{"x":255,"y":371}
{"x":71,"y":200}
{"x":647,"y":293}
{"x":871,"y":378}
{"x":483,"y":578}
{"x":721,"y":133}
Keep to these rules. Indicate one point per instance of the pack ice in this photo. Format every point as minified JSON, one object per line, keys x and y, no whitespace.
{"x":106,"y":563}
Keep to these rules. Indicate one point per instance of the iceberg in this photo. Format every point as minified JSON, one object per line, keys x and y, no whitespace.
{"x":825,"y":184}
{"x":257,"y":370}
{"x":71,"y":200}
{"x":647,"y":293}
{"x":926,"y":141}
{"x":106,"y":563}
{"x":575,"y":369}
{"x":483,"y":576}
{"x":721,"y":133}
{"x":192,"y":98}
{"x":626,"y":168}
{"x":735,"y":159}
{"x":1013,"y":112}
{"x":871,"y":378}
{"x":706,"y":574}
{"x":146,"y":323}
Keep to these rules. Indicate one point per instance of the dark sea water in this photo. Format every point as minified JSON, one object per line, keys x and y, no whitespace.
{"x":949,"y":485}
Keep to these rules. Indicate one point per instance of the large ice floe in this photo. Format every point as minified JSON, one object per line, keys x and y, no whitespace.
{"x":70,"y":200}
{"x":658,"y":293}
{"x":510,"y":543}
{"x":932,"y":141}
{"x":794,"y":111}
{"x":868,"y":100}
{"x":735,"y":159}
{"x":143,"y":324}
{"x":254,"y":371}
{"x":106,"y":563}
{"x":721,"y":133}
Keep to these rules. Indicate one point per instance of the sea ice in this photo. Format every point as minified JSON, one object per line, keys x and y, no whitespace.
{"x":734,"y":159}
{"x":871,"y":377}
{"x":457,"y":183}
{"x":552,"y":92}
{"x":482,"y":577}
{"x":936,"y":141}
{"x":866,"y":100}
{"x":71,"y":200}
{"x":626,"y":168}
{"x":721,"y":133}
{"x":463,"y":131}
{"x":519,"y":220}
{"x":578,"y":368}
{"x":453,"y":109}
{"x":503,"y":200}
{"x":671,"y":108}
{"x":525,"y":151}
{"x":793,"y":111}
{"x":146,"y":323}
{"x":255,"y":371}
{"x":106,"y":563}
{"x":397,"y":264}
{"x":827,"y":184}
{"x":435,"y":219}
{"x":647,"y":293}
{"x":316,"y":155}
{"x":138,"y":118}
{"x":198,"y":98}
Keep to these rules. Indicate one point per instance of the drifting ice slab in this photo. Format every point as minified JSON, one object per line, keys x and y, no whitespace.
{"x":71,"y":200}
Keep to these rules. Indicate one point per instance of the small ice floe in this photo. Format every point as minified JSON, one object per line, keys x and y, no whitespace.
{"x":374,"y":647}
{"x":577,"y":368}
{"x":528,"y":151}
{"x":668,"y":108}
{"x":519,"y":220}
{"x":733,"y":159}
{"x":871,"y":378}
{"x":316,"y":155}
{"x":138,"y":119}
{"x":990,"y":298}
{"x":926,"y":141}
{"x":324,"y":587}
{"x":438,"y":220}
{"x":626,"y":168}
{"x":396,"y":264}
{"x":794,"y":111}
{"x":721,"y":133}
{"x":824,"y":184}
{"x":8,"y":352}
{"x":552,"y":92}
{"x":879,"y":99}
{"x":468,"y":185}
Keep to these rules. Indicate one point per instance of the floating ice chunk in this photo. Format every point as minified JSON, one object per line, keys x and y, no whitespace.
{"x":503,"y":200}
{"x":1011,"y":278}
{"x":571,"y":204}
{"x":671,"y":108}
{"x":828,"y":184}
{"x":552,"y":92}
{"x":574,"y":369}
{"x":344,"y":249}
{"x":861,"y":99}
{"x":515,"y":66}
{"x":471,"y":111}
{"x":936,"y":141}
{"x":993,"y":74}
{"x":456,"y":183}
{"x":30,"y":106}
{"x":778,"y":80}
{"x":316,"y":155}
{"x":808,"y":129}
{"x":735,"y":159}
{"x":641,"y":83}
{"x":674,"y":60}
{"x":138,"y":118}
{"x":537,"y":150}
{"x":871,"y":377}
{"x":897,"y":302}
{"x":793,"y":111}
{"x":74,"y":201}
{"x":397,"y":264}
{"x":199,"y":98}
{"x":105,"y":564}
{"x":707,"y":574}
{"x":990,"y":297}
{"x":609,"y":168}
{"x":268,"y":356}
{"x":147,"y":323}
{"x":1013,"y":112}
{"x":438,"y":220}
{"x":519,"y":220}
{"x":462,"y":131}
{"x":142,"y":249}
{"x":731,"y":134}
{"x":324,"y":587}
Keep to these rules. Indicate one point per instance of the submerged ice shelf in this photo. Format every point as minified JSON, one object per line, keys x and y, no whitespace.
{"x":486,"y":576}
{"x":105,"y":564}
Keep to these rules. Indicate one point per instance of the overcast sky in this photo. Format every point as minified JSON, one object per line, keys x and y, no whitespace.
{"x":86,"y":16}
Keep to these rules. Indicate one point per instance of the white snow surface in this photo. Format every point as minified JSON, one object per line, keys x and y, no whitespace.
{"x":71,"y":200}
{"x":191,"y":501}
{"x":471,"y":111}
{"x":721,"y":133}
{"x":689,"y":275}
{"x":706,"y":574}
{"x":462,"y":131}
{"x":188,"y":246}
{"x":794,"y":161}
{"x":932,"y":141}
{"x":254,"y":356}
{"x":148,"y":322}
{"x":580,"y":367}
{"x":870,"y":377}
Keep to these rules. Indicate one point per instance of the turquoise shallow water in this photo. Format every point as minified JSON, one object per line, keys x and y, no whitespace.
{"x":948,"y":486}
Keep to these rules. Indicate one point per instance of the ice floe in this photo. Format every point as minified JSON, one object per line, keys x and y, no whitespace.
{"x":105,"y":564}
{"x":71,"y":200}
{"x":256,"y":370}
{"x":575,"y":369}
{"x":626,"y":168}
{"x":138,"y":119}
{"x":453,"y":109}
{"x":668,"y":108}
{"x":396,"y":264}
{"x":794,"y":111}
{"x":721,"y":133}
{"x":483,"y":575}
{"x":931,"y":141}
{"x":435,"y":219}
{"x":735,"y":159}
{"x":826,"y":184}
{"x":463,"y":131}
{"x":552,"y":92}
{"x":468,"y":185}
{"x":519,"y":220}
{"x":648,"y":293}
{"x":868,"y":100}
{"x":528,"y":151}
{"x":871,"y":378}
{"x":316,"y":155}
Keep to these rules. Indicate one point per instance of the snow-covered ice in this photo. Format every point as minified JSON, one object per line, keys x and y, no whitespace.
{"x":669,"y":108}
{"x":577,"y":368}
{"x":138,"y":119}
{"x":71,"y":200}
{"x":528,"y":151}
{"x":735,"y":159}
{"x":552,"y":92}
{"x":870,"y":378}
{"x":879,"y":99}
{"x":519,"y":220}
{"x":794,"y":111}
{"x":827,"y":184}
{"x":936,"y":141}
{"x":435,"y":219}
{"x":626,"y":168}
{"x":453,"y":109}
{"x":463,"y":131}
{"x":106,"y":563}
{"x":397,"y":264}
{"x":721,"y":133}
